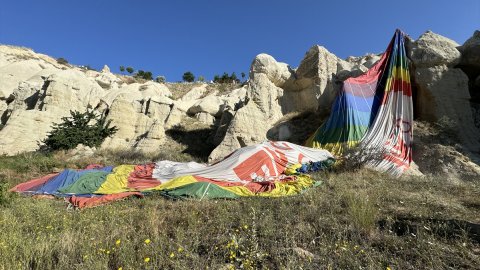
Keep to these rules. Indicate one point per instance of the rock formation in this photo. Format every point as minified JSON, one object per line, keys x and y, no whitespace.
{"x":37,"y":91}
{"x":442,"y":89}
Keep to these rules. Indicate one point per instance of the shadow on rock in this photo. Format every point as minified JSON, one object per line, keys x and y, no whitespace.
{"x":198,"y":142}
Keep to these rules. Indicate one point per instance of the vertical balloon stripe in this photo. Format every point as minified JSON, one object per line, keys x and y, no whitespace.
{"x":388,"y":134}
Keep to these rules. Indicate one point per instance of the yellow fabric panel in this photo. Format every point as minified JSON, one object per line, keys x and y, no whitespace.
{"x":239,"y":190}
{"x":336,"y":149}
{"x":117,"y":181}
{"x":281,"y":188}
{"x":399,"y":74}
{"x":292,"y":169}
{"x":175,"y":183}
{"x":289,"y":188}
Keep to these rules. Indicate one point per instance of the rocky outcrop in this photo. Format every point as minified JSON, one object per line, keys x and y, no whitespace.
{"x":471,"y":51}
{"x":140,"y":113}
{"x":37,"y":106}
{"x":432,"y":49}
{"x":470,"y":64}
{"x":442,"y":89}
{"x":275,"y":90}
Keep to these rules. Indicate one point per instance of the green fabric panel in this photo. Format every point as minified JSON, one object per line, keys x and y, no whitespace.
{"x":201,"y":190}
{"x":86,"y":184}
{"x":339,"y":135}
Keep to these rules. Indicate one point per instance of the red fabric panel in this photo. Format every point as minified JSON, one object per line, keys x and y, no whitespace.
{"x":33,"y":183}
{"x":141,"y":177}
{"x":82,"y":202}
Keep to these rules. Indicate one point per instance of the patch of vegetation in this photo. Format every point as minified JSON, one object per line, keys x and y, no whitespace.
{"x":130,"y":70}
{"x":225,"y":78}
{"x":188,"y":77}
{"x":354,"y":220}
{"x":146,"y":75}
{"x":62,"y":61}
{"x":5,"y":195}
{"x":160,"y":79}
{"x":86,"y":128}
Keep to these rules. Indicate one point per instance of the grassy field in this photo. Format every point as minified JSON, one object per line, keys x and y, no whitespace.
{"x":354,"y":220}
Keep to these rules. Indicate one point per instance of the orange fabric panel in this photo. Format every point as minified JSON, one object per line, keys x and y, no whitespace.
{"x":82,"y":202}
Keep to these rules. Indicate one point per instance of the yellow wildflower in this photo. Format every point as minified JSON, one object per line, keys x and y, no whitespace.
{"x":120,"y":268}
{"x":388,"y":268}
{"x":172,"y":255}
{"x":118,"y":242}
{"x":147,"y":259}
{"x":108,"y":252}
{"x":147,"y":241}
{"x":245,"y":226}
{"x":180,"y":249}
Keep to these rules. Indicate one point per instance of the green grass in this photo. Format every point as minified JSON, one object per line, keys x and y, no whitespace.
{"x":354,"y":220}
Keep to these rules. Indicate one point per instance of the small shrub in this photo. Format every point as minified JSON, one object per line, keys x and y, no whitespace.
{"x":129,"y":70}
{"x":188,"y":77}
{"x":362,"y":210}
{"x":78,"y":129}
{"x":122,"y":69}
{"x":160,"y":79}
{"x":147,"y":75}
{"x":225,"y":78}
{"x":62,"y":61}
{"x":5,"y":195}
{"x":201,"y":79}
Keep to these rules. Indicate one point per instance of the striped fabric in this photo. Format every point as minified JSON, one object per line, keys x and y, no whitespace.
{"x":269,"y":169}
{"x":375,"y":112}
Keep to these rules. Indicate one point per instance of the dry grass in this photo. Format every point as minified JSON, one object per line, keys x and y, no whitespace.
{"x":355,"y":219}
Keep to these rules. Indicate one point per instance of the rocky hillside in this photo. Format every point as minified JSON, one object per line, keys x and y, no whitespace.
{"x":278,"y":102}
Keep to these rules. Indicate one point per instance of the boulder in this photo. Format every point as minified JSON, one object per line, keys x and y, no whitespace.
{"x":248,"y":126}
{"x":432,"y":50}
{"x":174,"y":117}
{"x":471,"y":52}
{"x":196,"y":93}
{"x":12,"y":74}
{"x":212,"y":105}
{"x":277,"y":73}
{"x":315,"y":77}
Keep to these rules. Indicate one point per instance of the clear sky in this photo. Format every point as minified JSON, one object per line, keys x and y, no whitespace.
{"x":212,"y":37}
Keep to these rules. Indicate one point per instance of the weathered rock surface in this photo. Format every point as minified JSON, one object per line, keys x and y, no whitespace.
{"x":471,"y":51}
{"x":442,"y":90}
{"x":36,"y":91}
{"x":274,"y":90}
{"x":432,"y":49}
{"x":36,"y":108}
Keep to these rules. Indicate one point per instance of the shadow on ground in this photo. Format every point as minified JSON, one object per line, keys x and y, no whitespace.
{"x":198,"y":142}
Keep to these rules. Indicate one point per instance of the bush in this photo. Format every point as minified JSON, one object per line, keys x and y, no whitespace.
{"x":188,"y":77}
{"x":78,"y":129}
{"x":129,"y":70}
{"x":147,"y":75}
{"x":122,"y":69}
{"x":161,"y":79}
{"x":225,"y":78}
{"x":62,"y":61}
{"x":201,"y":79}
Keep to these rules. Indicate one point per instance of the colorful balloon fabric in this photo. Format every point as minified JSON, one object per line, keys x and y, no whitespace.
{"x":374,"y":112}
{"x":268,"y":169}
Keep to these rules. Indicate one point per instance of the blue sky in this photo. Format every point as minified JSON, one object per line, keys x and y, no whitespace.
{"x":212,"y":37}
